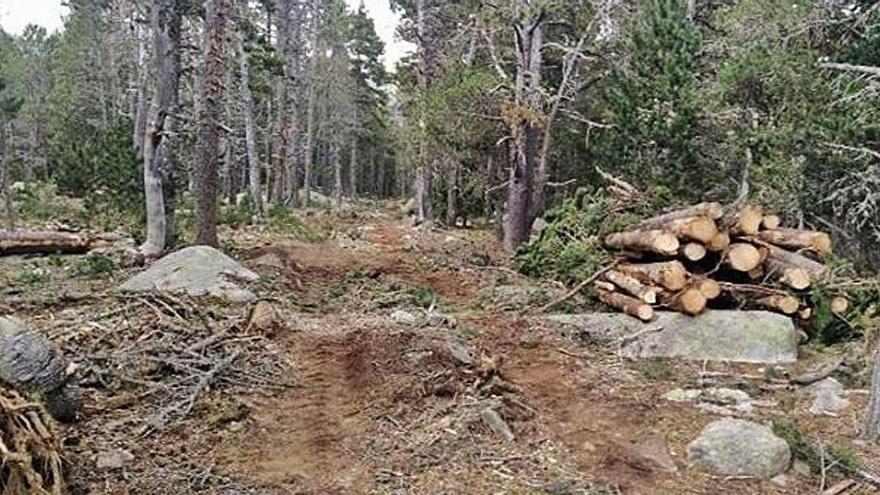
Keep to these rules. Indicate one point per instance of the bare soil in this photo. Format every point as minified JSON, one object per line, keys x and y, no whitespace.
{"x":373,"y":405}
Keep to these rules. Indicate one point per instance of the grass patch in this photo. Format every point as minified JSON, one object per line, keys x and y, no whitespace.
{"x":95,"y":265}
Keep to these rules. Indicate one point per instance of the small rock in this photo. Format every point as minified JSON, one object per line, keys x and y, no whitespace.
{"x":114,"y":459}
{"x":654,"y":450}
{"x":726,"y":396}
{"x":497,"y":424}
{"x":827,"y":397}
{"x":269,"y":260}
{"x":801,"y":467}
{"x":780,"y":480}
{"x":461,"y":352}
{"x":263,"y":319}
{"x":404,"y":318}
{"x":682,"y":395}
{"x":734,"y":447}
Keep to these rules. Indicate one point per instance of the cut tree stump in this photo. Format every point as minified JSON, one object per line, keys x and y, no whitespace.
{"x":710,"y":288}
{"x":629,"y":305}
{"x":743,"y":257}
{"x":690,"y":301}
{"x":770,"y":222}
{"x":785,"y":304}
{"x":654,"y":241}
{"x":699,"y":229}
{"x":693,"y":251}
{"x":747,"y":221}
{"x":820,"y":242}
{"x":670,"y":275}
{"x":719,"y":243}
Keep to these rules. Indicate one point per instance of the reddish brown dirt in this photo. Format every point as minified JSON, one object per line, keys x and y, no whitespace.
{"x":364,"y":415}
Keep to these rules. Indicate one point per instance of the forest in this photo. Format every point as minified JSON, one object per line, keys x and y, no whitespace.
{"x":558,"y":246}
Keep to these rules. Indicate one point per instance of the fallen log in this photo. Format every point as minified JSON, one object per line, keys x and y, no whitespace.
{"x":690,"y":301}
{"x":818,"y":242}
{"x":670,"y":275}
{"x":632,"y":286}
{"x":713,"y":211}
{"x":655,"y":241}
{"x":742,"y":257}
{"x":839,"y":305}
{"x":770,"y":222}
{"x":693,"y":251}
{"x":43,"y":242}
{"x":629,"y":305}
{"x":710,"y":288}
{"x":782,"y":303}
{"x":719,"y":243}
{"x":780,"y":258}
{"x":747,"y":221}
{"x":699,"y":229}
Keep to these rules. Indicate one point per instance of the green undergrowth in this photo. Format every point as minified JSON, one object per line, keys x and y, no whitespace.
{"x":860,"y":320}
{"x":803,"y":448}
{"x":569,"y":248}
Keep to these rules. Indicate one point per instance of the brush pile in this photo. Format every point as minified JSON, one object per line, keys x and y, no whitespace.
{"x":706,"y":255}
{"x":29,"y":448}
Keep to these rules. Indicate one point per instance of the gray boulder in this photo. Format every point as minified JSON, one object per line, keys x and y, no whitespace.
{"x":827,"y":397}
{"x":32,"y":364}
{"x":195,"y":271}
{"x":735,"y":447}
{"x":716,"y":335}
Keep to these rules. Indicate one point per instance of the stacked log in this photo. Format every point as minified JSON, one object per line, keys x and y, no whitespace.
{"x":705,"y":255}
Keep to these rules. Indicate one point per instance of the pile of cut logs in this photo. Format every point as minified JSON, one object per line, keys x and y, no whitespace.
{"x":705,"y":256}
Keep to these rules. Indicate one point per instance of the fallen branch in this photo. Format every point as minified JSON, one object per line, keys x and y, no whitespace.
{"x":577,"y":288}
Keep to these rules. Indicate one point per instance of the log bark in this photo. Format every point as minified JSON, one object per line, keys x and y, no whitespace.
{"x":629,"y":305}
{"x":655,"y":241}
{"x":818,"y":242}
{"x":40,"y":242}
{"x":632,"y":286}
{"x":787,"y":260}
{"x":604,"y":285}
{"x":693,"y":251}
{"x":743,"y":257}
{"x":670,"y":275}
{"x":712,"y":211}
{"x":781,"y":303}
{"x":746,"y":221}
{"x":872,"y":417}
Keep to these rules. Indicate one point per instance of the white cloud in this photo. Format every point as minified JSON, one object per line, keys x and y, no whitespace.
{"x":16,"y":14}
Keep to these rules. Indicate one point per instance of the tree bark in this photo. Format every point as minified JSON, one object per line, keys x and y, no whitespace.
{"x":452,"y":193}
{"x":428,"y":47}
{"x":159,"y":166}
{"x":250,"y":134}
{"x":872,"y":417}
{"x":337,"y":174}
{"x":5,"y":178}
{"x":529,"y":41}
{"x":353,"y":167}
{"x":208,"y":139}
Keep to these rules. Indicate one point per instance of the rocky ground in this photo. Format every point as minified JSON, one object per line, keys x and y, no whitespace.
{"x":387,"y":359}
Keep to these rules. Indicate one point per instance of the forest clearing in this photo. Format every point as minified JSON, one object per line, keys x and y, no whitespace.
{"x":424,"y":247}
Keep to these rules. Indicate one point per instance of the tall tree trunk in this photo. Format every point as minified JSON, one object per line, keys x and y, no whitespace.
{"x":250,"y":137}
{"x":208,"y":140}
{"x":529,"y":41}
{"x":141,"y":110}
{"x":310,"y":124}
{"x":159,"y":173}
{"x":872,"y":418}
{"x":337,"y":174}
{"x":428,"y":49}
{"x":452,"y":193}
{"x":5,"y":178}
{"x":353,"y":167}
{"x":289,"y":26}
